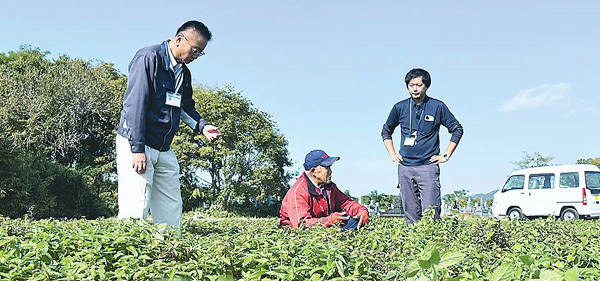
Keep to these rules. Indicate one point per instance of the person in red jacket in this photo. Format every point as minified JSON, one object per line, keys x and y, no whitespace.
{"x":315,"y":200}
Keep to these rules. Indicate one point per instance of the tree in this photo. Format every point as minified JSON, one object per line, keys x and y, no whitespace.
{"x":593,"y":161}
{"x":459,"y":197}
{"x":248,"y":162}
{"x":372,"y":198}
{"x":347,"y":192}
{"x":64,"y":111}
{"x":59,"y":117}
{"x":532,"y":160}
{"x":384,"y":200}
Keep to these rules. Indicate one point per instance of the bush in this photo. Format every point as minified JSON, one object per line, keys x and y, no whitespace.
{"x":32,"y":185}
{"x":255,"y":249}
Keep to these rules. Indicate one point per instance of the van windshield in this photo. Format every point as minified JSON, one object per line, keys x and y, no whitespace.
{"x":592,"y":180}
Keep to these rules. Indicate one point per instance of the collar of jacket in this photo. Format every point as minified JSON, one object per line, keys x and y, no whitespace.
{"x":425,"y":100}
{"x":312,"y":189}
{"x":163,"y":55}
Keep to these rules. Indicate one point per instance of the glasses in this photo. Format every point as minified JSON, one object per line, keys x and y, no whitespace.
{"x":194,"y":50}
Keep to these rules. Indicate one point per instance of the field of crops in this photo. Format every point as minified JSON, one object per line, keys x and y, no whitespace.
{"x":255,"y":249}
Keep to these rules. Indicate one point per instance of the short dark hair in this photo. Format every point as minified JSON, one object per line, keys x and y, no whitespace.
{"x":418,"y":72}
{"x":198,"y":27}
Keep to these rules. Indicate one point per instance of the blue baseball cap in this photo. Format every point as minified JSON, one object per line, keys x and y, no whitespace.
{"x":318,"y":158}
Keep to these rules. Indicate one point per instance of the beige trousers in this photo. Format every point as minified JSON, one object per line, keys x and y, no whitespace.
{"x":157,"y":190}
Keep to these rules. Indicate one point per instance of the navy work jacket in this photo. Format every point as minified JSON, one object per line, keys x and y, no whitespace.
{"x":145,"y":118}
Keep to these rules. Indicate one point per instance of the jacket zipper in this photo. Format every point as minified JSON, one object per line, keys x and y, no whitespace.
{"x":170,"y":127}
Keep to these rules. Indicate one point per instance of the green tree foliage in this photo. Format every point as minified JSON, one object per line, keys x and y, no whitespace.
{"x":533,"y":160}
{"x":347,"y":192}
{"x":33,"y":185}
{"x":59,"y":117}
{"x":384,"y":199}
{"x":456,"y":199}
{"x":593,"y":161}
{"x":247,"y":163}
{"x":63,"y":112}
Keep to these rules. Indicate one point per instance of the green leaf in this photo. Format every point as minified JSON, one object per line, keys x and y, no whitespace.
{"x":572,"y":274}
{"x":550,"y":275}
{"x":340,"y":268}
{"x":316,"y":277}
{"x":412,"y":269}
{"x":502,"y":272}
{"x":132,"y":250}
{"x":435,"y":256}
{"x":424,"y":264}
{"x":526,"y":259}
{"x":451,"y":258}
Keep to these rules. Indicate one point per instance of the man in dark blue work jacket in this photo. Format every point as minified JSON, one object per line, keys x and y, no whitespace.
{"x":158,"y":95}
{"x":420,"y":117}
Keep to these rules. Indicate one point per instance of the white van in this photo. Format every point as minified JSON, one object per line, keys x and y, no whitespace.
{"x":568,"y":191}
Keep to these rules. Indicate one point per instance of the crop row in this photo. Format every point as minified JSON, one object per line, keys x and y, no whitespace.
{"x":253,"y":249}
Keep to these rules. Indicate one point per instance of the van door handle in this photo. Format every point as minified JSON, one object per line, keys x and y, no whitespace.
{"x":522,"y":192}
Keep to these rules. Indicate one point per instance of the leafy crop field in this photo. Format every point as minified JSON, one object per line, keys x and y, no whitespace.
{"x":255,"y":249}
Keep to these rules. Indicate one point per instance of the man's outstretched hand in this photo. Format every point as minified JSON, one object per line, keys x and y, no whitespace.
{"x":337,"y":217}
{"x":364,"y":217}
{"x":211,"y":132}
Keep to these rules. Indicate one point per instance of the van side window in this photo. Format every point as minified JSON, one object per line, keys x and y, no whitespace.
{"x":514,"y":182}
{"x":569,"y":180}
{"x":543,"y":181}
{"x":592,"y":180}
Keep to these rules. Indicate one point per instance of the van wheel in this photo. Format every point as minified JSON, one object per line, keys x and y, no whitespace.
{"x":569,"y":214}
{"x":515,"y":214}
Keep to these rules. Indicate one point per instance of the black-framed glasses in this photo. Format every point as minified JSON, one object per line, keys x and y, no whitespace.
{"x":194,"y":50}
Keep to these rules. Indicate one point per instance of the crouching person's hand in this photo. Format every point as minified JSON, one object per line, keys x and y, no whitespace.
{"x":364,"y":217}
{"x":337,"y":217}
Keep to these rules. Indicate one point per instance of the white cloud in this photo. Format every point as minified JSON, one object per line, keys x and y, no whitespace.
{"x":537,"y":97}
{"x":581,"y":106}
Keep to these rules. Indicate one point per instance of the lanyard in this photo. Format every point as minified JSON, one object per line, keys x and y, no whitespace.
{"x":410,"y":115}
{"x":168,"y":64}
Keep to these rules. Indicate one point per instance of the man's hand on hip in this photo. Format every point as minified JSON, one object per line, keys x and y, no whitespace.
{"x":438,"y":159}
{"x":396,"y":158}
{"x":139,"y":162}
{"x":211,"y":132}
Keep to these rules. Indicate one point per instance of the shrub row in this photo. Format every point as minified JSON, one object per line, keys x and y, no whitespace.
{"x":253,"y":249}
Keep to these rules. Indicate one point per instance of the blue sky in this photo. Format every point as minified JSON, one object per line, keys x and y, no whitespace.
{"x":519,"y":75}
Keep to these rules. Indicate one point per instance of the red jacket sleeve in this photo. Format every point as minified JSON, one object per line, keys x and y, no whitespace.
{"x":298,"y":210}
{"x":345,"y":203}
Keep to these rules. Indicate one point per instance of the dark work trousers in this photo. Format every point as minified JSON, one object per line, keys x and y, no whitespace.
{"x":420,"y":188}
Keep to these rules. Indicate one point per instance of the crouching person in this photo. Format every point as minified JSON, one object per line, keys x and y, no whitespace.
{"x":315,"y":200}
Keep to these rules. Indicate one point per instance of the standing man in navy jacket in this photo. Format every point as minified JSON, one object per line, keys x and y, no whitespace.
{"x":158,"y":95}
{"x":420,"y":117}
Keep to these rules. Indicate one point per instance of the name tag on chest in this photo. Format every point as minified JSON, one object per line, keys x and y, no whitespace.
{"x":173,"y":99}
{"x":410,"y":140}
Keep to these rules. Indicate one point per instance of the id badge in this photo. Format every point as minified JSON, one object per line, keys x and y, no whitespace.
{"x":410,"y":141}
{"x":173,"y":99}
